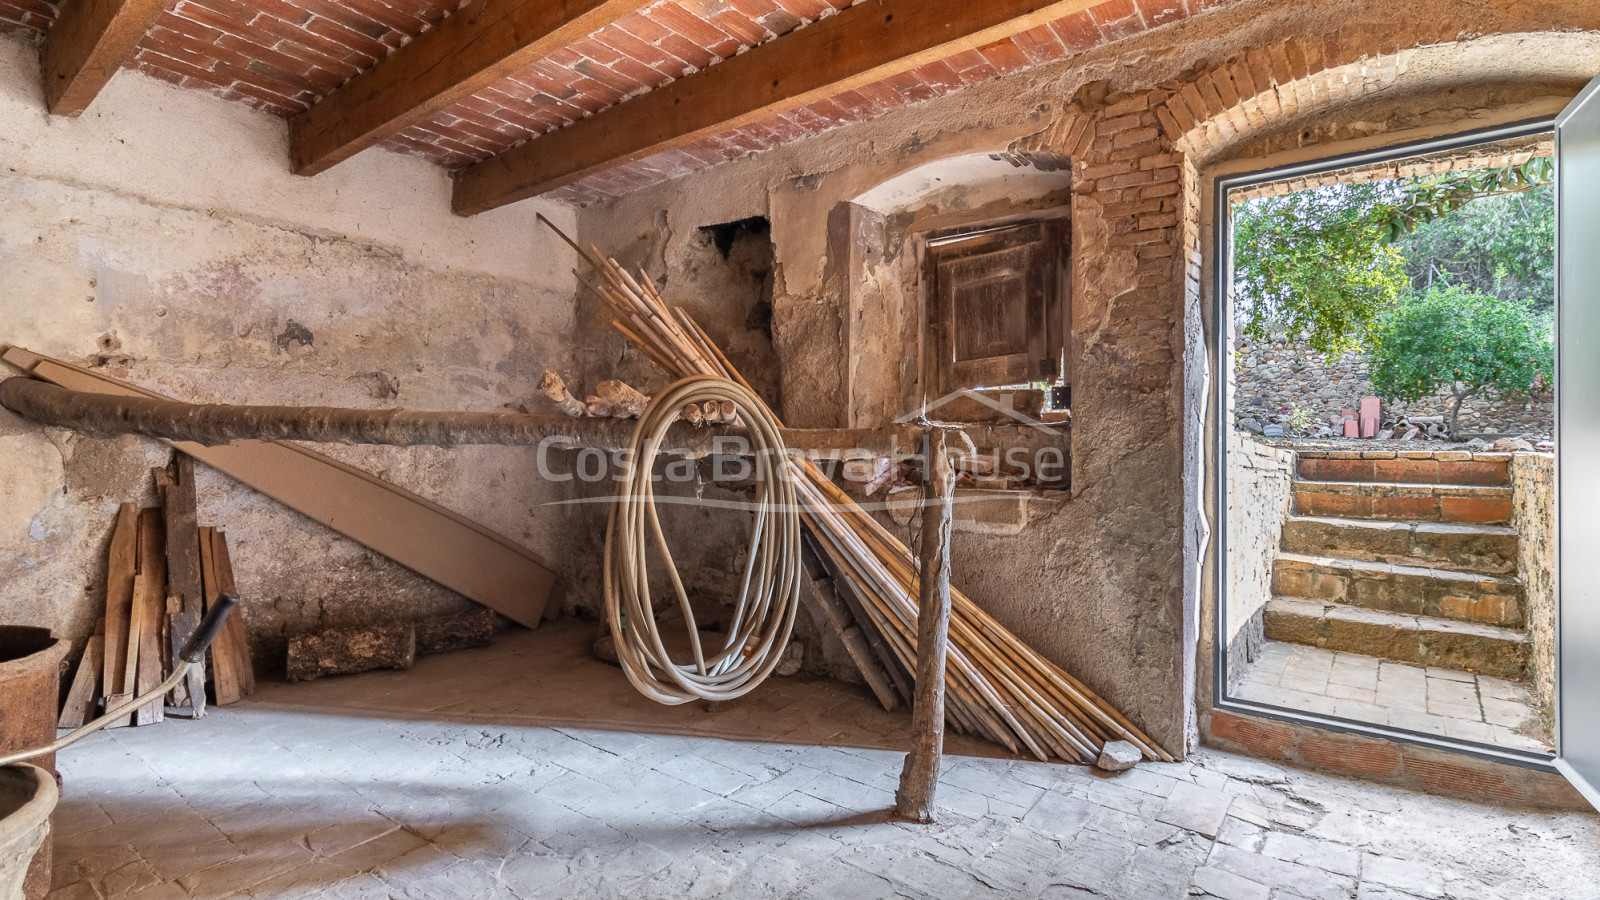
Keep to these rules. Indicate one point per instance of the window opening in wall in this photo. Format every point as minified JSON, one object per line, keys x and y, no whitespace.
{"x":734,"y":271}
{"x":1387,"y":431}
{"x":997,"y":313}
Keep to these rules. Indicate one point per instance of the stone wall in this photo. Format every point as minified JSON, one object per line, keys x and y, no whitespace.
{"x":1533,"y":513}
{"x":202,"y":269}
{"x":1259,"y":490}
{"x":1278,"y":377}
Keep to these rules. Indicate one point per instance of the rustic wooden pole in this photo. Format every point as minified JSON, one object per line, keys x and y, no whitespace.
{"x":920,"y":775}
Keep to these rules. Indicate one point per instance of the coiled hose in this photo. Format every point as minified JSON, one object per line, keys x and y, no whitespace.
{"x":768,"y":596}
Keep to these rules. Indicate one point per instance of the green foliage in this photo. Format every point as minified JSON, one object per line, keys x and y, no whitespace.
{"x":1316,"y":263}
{"x":1502,"y":245}
{"x":1463,"y":343}
{"x":1425,"y":199}
{"x":1323,"y":263}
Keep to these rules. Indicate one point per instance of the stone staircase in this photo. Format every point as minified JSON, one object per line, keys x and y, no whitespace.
{"x":1402,"y":556}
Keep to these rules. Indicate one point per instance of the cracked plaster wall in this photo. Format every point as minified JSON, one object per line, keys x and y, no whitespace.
{"x":161,"y":239}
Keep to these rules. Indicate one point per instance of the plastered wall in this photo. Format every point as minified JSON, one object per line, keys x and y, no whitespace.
{"x":160,"y":239}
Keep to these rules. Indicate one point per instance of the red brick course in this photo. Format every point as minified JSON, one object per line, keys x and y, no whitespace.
{"x":1389,"y":762}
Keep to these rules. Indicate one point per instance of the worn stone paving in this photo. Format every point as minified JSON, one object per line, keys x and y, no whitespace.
{"x":530,"y":770}
{"x":1425,"y":699}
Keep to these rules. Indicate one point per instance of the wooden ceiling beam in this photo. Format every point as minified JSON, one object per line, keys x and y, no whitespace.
{"x":89,"y":42}
{"x":858,"y":46}
{"x":475,"y":47}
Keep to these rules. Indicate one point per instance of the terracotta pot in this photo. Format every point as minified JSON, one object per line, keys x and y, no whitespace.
{"x":28,"y":795}
{"x":30,"y":690}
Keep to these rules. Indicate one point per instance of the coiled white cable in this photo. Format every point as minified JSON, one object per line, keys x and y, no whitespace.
{"x":764,"y":616}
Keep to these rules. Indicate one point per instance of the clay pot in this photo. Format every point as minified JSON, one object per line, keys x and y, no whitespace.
{"x":28,"y":796}
{"x":30,"y":689}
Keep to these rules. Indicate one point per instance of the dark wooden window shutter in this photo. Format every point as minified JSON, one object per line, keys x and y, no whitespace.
{"x":996,"y":305}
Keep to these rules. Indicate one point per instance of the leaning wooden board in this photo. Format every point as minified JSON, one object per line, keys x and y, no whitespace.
{"x":414,"y":532}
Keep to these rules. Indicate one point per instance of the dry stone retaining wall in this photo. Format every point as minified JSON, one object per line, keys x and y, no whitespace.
{"x":1276,"y":378}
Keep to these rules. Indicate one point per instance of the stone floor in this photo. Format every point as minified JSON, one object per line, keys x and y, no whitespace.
{"x":1446,"y":702}
{"x":531,"y":770}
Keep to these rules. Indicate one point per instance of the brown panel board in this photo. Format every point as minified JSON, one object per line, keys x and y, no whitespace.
{"x":224,"y":680}
{"x":185,"y":592}
{"x":234,"y":638}
{"x":85,"y":685}
{"x":415,"y":532}
{"x":121,"y":565}
{"x":153,"y":665}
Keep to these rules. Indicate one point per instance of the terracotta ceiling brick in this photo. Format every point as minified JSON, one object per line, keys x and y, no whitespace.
{"x":284,"y":55}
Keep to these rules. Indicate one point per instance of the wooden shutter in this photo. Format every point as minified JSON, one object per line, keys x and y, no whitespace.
{"x":995,"y":305}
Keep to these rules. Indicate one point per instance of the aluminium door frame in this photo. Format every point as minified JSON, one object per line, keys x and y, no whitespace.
{"x":1221,"y":351}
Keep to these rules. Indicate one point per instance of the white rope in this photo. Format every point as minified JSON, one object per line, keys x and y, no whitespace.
{"x":768,"y":598}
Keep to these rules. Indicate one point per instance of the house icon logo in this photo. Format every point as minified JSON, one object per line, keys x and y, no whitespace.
{"x":1003,"y":404}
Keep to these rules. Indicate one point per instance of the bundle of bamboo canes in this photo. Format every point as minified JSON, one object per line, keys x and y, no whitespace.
{"x":997,"y":686}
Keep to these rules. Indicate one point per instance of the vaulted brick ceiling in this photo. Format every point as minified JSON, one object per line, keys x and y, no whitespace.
{"x":282,"y":56}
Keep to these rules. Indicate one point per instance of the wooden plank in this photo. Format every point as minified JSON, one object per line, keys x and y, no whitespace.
{"x":121,"y":565}
{"x":89,"y":42}
{"x":234,"y":636}
{"x":889,"y":663}
{"x":224,"y":683}
{"x":411,"y":530}
{"x":153,"y":666}
{"x":130,"y":669}
{"x":185,"y":591}
{"x":474,"y":48}
{"x":818,"y":588}
{"x":860,"y":45}
{"x":85,"y":685}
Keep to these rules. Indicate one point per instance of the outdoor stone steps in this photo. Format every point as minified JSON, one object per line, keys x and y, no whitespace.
{"x":1484,"y":549}
{"x":1420,"y":640}
{"x":1405,"y":467}
{"x":1405,"y":502}
{"x":1410,"y":590}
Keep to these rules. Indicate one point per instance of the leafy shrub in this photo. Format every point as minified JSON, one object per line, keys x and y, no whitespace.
{"x":1459,"y":342}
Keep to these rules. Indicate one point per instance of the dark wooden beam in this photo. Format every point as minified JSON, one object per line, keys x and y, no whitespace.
{"x":860,"y":45}
{"x":477,"y":46}
{"x":89,"y":42}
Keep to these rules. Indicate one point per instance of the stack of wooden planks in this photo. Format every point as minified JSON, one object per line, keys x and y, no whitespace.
{"x":162,"y":571}
{"x":997,"y":686}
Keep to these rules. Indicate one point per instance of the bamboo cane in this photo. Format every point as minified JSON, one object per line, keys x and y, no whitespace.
{"x":999,"y":687}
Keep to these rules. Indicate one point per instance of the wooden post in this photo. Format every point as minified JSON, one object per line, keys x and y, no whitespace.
{"x":920,"y":775}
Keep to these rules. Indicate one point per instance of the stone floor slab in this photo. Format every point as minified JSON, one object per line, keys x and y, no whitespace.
{"x":530,"y":770}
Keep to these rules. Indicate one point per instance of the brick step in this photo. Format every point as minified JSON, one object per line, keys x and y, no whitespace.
{"x":1486,"y":549}
{"x":1403,"y":502}
{"x":1411,"y":590}
{"x":1425,"y":467}
{"x":1420,"y":640}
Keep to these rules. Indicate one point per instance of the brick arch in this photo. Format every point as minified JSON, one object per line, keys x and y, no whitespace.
{"x":1262,"y":88}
